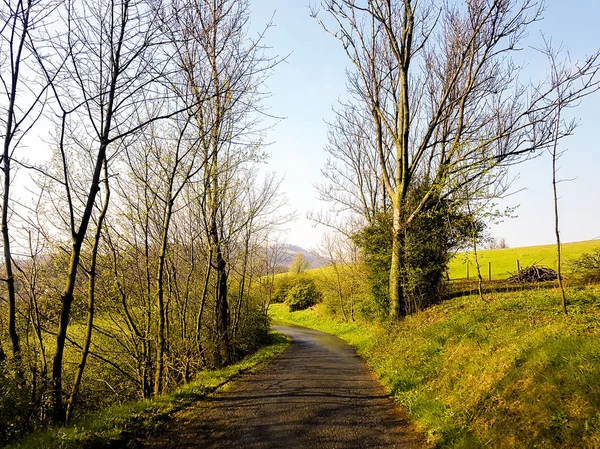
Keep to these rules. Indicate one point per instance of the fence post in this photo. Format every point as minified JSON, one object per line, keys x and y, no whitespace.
{"x":489,"y":271}
{"x":518,"y":266}
{"x":467,"y":270}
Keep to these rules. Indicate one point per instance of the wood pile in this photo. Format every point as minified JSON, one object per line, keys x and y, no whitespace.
{"x":533,"y":274}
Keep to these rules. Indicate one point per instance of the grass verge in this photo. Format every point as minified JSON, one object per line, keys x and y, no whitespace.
{"x":121,"y":426}
{"x":511,"y":373}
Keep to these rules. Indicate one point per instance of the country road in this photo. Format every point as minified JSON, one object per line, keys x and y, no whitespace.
{"x":318,"y":394}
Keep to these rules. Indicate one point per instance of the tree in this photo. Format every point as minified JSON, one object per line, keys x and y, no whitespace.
{"x":114,"y":68}
{"x":299,"y":264}
{"x":440,"y":84}
{"x":302,"y":295}
{"x":353,"y":178}
{"x":270,"y":258}
{"x":220,"y":60}
{"x":570,"y":84}
{"x":20,"y":25}
{"x":497,"y":243}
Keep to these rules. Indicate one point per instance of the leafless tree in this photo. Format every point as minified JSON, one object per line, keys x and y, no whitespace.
{"x":230,"y":67}
{"x":571,"y":82}
{"x":115,"y":65}
{"x":497,"y":243}
{"x":23,"y":100}
{"x":353,"y":177}
{"x":269,"y":261}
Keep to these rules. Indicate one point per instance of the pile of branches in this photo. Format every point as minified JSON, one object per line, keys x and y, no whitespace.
{"x":532,"y":274}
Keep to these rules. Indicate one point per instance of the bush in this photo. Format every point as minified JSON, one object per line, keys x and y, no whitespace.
{"x":253,"y":332}
{"x":429,"y":243}
{"x":20,"y":401}
{"x":587,"y":267}
{"x":302,"y":295}
{"x":375,"y":242}
{"x":281,"y":286}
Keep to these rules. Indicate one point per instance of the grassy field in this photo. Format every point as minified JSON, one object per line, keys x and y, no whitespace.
{"x":509,"y":373}
{"x":124,"y":425}
{"x":504,"y":260}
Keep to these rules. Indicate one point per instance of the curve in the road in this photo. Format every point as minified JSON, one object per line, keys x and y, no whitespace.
{"x":318,"y":394}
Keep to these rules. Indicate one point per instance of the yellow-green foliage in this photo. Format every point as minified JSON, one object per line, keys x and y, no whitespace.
{"x":117,"y":426}
{"x":512,"y":373}
{"x":504,"y":260}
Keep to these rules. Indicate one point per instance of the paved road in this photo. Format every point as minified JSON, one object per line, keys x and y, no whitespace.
{"x":318,"y":394}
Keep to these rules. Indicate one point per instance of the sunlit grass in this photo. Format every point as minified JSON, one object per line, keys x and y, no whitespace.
{"x":510,"y":373}
{"x":118,"y":426}
{"x":504,"y":261}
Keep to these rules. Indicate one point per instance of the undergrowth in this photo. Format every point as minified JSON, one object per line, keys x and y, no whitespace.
{"x":509,"y":373}
{"x":124,"y":425}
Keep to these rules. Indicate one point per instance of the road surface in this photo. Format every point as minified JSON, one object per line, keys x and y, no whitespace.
{"x":318,"y":394}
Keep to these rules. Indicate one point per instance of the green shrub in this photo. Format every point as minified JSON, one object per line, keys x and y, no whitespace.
{"x":429,"y":242}
{"x":302,"y":295}
{"x":281,"y":286}
{"x":587,"y":267}
{"x":20,"y":400}
{"x":375,"y":242}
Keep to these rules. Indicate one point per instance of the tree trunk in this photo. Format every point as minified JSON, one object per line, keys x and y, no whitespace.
{"x":563,"y":297}
{"x":162,"y":313}
{"x":91,"y":300}
{"x":222,"y":310}
{"x":397,"y":300}
{"x":11,"y":129}
{"x":58,"y":410}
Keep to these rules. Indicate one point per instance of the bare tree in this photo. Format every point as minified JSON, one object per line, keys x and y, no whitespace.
{"x":24,"y":98}
{"x":219,"y":59}
{"x":571,"y":82}
{"x":114,"y":66}
{"x":497,"y":243}
{"x":92,"y":275}
{"x":440,"y":84}
{"x":269,"y":260}
{"x":353,"y":177}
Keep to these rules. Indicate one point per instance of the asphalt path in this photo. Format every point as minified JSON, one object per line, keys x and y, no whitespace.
{"x":318,"y":394}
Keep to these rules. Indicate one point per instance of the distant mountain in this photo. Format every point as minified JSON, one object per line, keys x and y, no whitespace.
{"x":290,"y":251}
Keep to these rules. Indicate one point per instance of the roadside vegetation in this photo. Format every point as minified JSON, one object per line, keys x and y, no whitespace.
{"x":128,"y":267}
{"x":124,"y":425}
{"x":509,"y":373}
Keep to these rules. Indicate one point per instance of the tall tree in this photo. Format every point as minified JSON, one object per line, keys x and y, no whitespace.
{"x":570,"y":85}
{"x":115,"y":67}
{"x":24,"y":98}
{"x":220,"y":60}
{"x":440,"y":84}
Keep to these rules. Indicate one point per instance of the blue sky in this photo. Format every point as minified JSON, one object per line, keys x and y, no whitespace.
{"x":312,"y":79}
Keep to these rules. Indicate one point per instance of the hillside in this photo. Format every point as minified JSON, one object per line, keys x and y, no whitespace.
{"x":313,"y":259}
{"x":504,"y":261}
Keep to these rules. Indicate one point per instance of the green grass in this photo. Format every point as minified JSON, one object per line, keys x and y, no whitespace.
{"x":119,"y":426}
{"x":504,"y":261}
{"x":511,"y":373}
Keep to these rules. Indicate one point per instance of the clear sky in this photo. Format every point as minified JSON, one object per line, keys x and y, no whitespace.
{"x":312,"y":79}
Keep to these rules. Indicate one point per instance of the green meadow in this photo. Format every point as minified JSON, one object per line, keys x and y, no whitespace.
{"x":504,"y":261}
